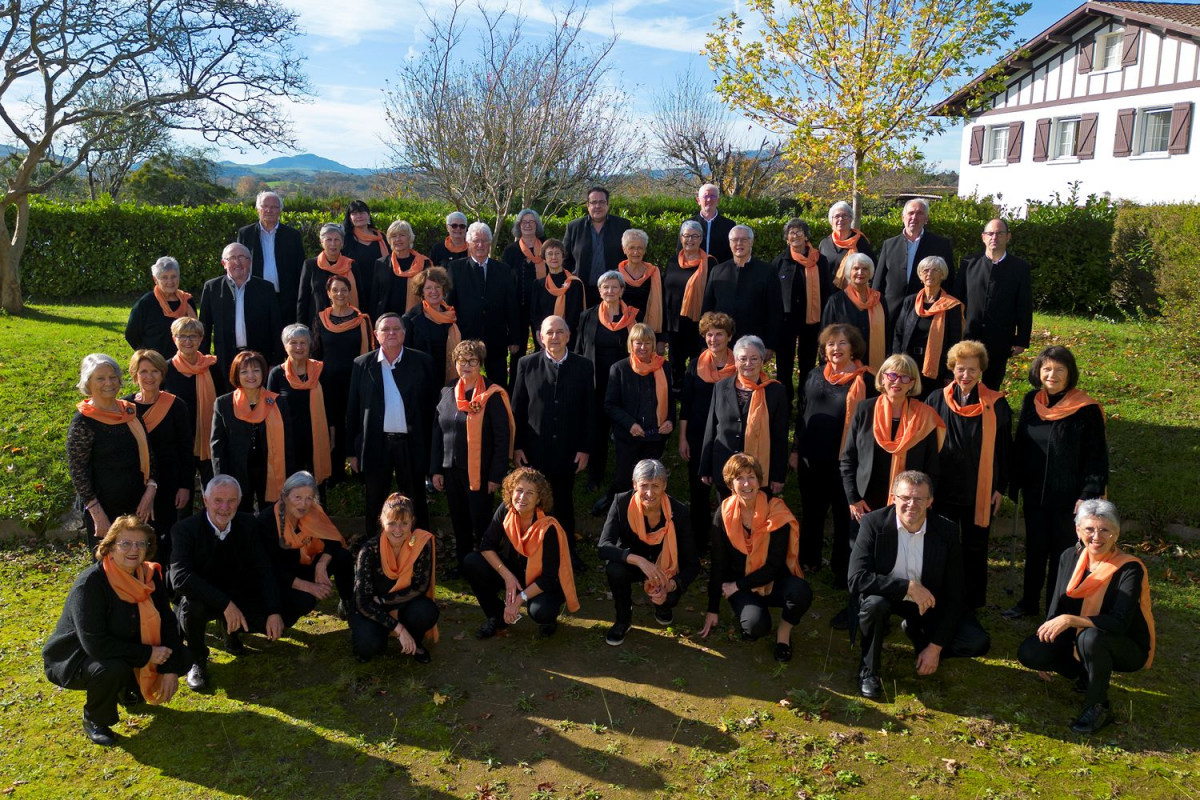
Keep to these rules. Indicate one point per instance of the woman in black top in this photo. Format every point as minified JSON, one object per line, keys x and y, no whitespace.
{"x":168,"y":424}
{"x":149,"y":325}
{"x":526,"y":259}
{"x":112,"y":467}
{"x":640,"y":405}
{"x":431,"y":326}
{"x":117,"y":637}
{"x":928,"y":334}
{"x":844,"y":239}
{"x":300,"y":381}
{"x":684,"y":279}
{"x":559,"y":293}
{"x":804,"y":279}
{"x":192,"y":378}
{"x":1060,"y":459}
{"x":394,"y":587}
{"x":342,"y":333}
{"x":390,"y":288}
{"x":364,"y":243}
{"x":315,"y":274}
{"x":455,"y":245}
{"x":859,"y":305}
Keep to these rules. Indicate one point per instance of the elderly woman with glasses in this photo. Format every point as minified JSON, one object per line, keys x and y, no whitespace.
{"x":149,"y":325}
{"x":332,"y":260}
{"x":454,"y":246}
{"x":929,"y":325}
{"x":844,"y":240}
{"x":683,"y":282}
{"x":391,"y":278}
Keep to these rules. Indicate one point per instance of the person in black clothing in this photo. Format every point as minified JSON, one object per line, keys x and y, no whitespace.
{"x":844,"y":240}
{"x":341,"y":333}
{"x":978,"y":423}
{"x":755,"y":565}
{"x":593,"y":242}
{"x":391,"y":289}
{"x":300,"y":382}
{"x":332,"y":260}
{"x":714,"y":226}
{"x":220,"y":572}
{"x":639,"y":403}
{"x":896,"y":273}
{"x":647,"y":539}
{"x":394,"y":587}
{"x":431,"y":326}
{"x":277,"y":251}
{"x":472,"y":439}
{"x":558,"y":294}
{"x":101,"y":644}
{"x":455,"y":245}
{"x":239,"y":312}
{"x":485,"y":300}
{"x":1060,"y":459}
{"x":522,"y":555}
{"x":930,"y":323}
{"x":683,"y":281}
{"x":526,"y":259}
{"x":364,"y":243}
{"x":149,"y":324}
{"x":859,"y":305}
{"x":1100,"y":619}
{"x":168,"y":424}
{"x":804,"y":285}
{"x":193,"y":377}
{"x":747,"y":289}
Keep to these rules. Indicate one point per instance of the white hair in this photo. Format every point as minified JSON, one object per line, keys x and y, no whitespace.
{"x":89,"y":365}
{"x":704,"y":186}
{"x":745,"y":229}
{"x":296,"y":330}
{"x":332,"y":227}
{"x":649,"y":469}
{"x":238,"y":245}
{"x":611,"y":275}
{"x":522,"y":214}
{"x":634,"y":233}
{"x":298,"y":480}
{"x":476,"y":228}
{"x":164,"y":264}
{"x":553,"y":318}
{"x":747,"y":341}
{"x":1098,"y":509}
{"x":919,"y":201}
{"x":690,"y":225}
{"x":840,"y":205}
{"x":400,"y":225}
{"x":217,"y":481}
{"x":264,"y":195}
{"x":456,"y":216}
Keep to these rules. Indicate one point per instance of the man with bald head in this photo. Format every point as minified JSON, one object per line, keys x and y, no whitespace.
{"x":239,"y":312}
{"x":896,"y":273}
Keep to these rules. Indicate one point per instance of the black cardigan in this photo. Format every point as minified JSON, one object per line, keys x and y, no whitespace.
{"x":1120,"y":610}
{"x":618,"y":541}
{"x":1075,"y":465}
{"x":725,"y":431}
{"x":863,"y":454}
{"x":729,"y":563}
{"x":149,"y":329}
{"x":631,"y":398}
{"x":959,"y":460}
{"x":695,"y":399}
{"x":231,"y":441}
{"x":449,"y":447}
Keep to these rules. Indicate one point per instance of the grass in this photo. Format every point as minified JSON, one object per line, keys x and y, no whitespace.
{"x":666,"y":715}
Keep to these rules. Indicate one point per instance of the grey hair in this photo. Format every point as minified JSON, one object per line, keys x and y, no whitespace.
{"x":913,"y":477}
{"x":456,"y":216}
{"x":479,"y":227}
{"x":841,"y":205}
{"x":611,"y":275}
{"x":850,"y":261}
{"x":689,"y":225}
{"x":634,"y":233}
{"x":294,"y":330}
{"x":749,"y":340}
{"x":919,"y":201}
{"x":239,"y":246}
{"x":264,"y":195}
{"x":332,"y":227}
{"x":649,"y":469}
{"x":217,"y":481}
{"x":89,"y":365}
{"x":522,"y":214}
{"x":164,"y":264}
{"x":1098,"y":509}
{"x":704,"y":186}
{"x":749,"y":231}
{"x":400,"y":225}
{"x":934,"y":262}
{"x":298,"y":480}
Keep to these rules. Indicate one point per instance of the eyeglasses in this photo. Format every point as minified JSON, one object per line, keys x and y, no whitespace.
{"x":187,"y":337}
{"x":905,"y":499}
{"x":458,"y":226}
{"x":468,"y":362}
{"x":995,"y":233}
{"x":896,"y":377}
{"x":1104,"y":532}
{"x":129,"y":544}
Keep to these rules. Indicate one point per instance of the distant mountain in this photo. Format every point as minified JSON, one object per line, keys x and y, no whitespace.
{"x":305,"y":164}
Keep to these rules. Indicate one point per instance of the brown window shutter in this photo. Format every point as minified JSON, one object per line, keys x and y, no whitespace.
{"x":1181,"y":129}
{"x":1015,"y":131}
{"x":1123,"y":146}
{"x":1130,"y":44}
{"x":976,"y":145}
{"x":1041,"y":140}
{"x":1086,"y":146}
{"x":1084,"y":62}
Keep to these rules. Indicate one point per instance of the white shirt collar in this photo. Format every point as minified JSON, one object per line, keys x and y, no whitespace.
{"x":919,"y":532}
{"x":221,"y":534}
{"x":382,"y":359}
{"x":559,"y":361}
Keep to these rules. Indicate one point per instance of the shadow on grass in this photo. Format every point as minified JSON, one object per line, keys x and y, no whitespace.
{"x":34,"y":315}
{"x":1153,"y":473}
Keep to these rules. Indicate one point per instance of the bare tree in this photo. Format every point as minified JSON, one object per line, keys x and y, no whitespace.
{"x":213,"y":66}
{"x":694,"y":131}
{"x":525,"y":123}
{"x":119,"y":143}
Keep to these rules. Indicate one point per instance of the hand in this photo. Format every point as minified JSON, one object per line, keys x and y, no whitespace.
{"x":1016,"y":350}
{"x":353,"y":463}
{"x":514,"y":348}
{"x":776,"y":487}
{"x":581,"y":462}
{"x":921,"y":596}
{"x":166,"y":686}
{"x":1051,"y":629}
{"x":666,"y":428}
{"x":321,"y":571}
{"x":439,"y":483}
{"x":729,"y":589}
{"x":182,"y":498}
{"x":519,"y":458}
{"x":858,"y":509}
{"x":512,"y":612}
{"x":407,"y":645}
{"x":311,"y":587}
{"x":651,"y":571}
{"x":274,"y":627}
{"x":234,"y":621}
{"x":997,"y":499}
{"x":493,"y":487}
{"x":636,"y":430}
{"x":794,"y":461}
{"x":145,"y":506}
{"x":158,"y":655}
{"x":512,"y":590}
{"x":710,"y":622}
{"x":685,"y":450}
{"x":706,"y":480}
{"x":100,"y":521}
{"x":928,"y":659}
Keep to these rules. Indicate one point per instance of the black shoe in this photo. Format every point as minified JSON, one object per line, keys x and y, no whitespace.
{"x":1093,"y":718}
{"x":1081,"y":684}
{"x":841,"y":620}
{"x":233,"y":644}
{"x":132,"y":698}
{"x":422,"y":656}
{"x":362,"y":659}
{"x":869,"y":685}
{"x":601,"y":506}
{"x":99,"y":734}
{"x":1016,"y":612}
{"x":549,"y":629}
{"x":783,"y":652}
{"x":490,"y":627}
{"x":197,"y":678}
{"x":664,"y":616}
{"x":343,"y":610}
{"x":616,"y":634}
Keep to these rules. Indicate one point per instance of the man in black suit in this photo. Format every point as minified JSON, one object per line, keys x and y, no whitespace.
{"x":747,"y":289}
{"x":393,"y":393}
{"x":995,"y":286}
{"x":593,"y":243}
{"x":220,"y":571}
{"x":239,"y":312}
{"x":896,"y":273}
{"x":907,"y":561}
{"x":278,"y":253}
{"x":714,"y":225}
{"x":553,"y":405}
{"x":484,"y":296}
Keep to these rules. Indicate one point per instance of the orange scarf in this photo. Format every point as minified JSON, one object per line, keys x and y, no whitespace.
{"x":628,"y":317}
{"x":812,"y":283}
{"x":362,"y":322}
{"x":184,"y":310}
{"x":768,"y":516}
{"x":139,"y":589}
{"x":419,"y":263}
{"x":916,"y":421}
{"x":344,"y":268}
{"x":158,"y":411}
{"x":528,"y":543}
{"x":1093,"y":587}
{"x":874,"y":311}
{"x":1068,"y":405}
{"x":534,"y":256}
{"x":455,"y":249}
{"x":560,"y":293}
{"x":399,"y":566}
{"x":708,"y":372}
{"x":445,"y":316}
{"x":474,"y":409}
{"x":668,"y":557}
{"x":937,"y":330}
{"x":206,"y":398}
{"x":315,"y":529}
{"x":985,"y":408}
{"x":854,"y":395}
{"x":850,"y":243}
{"x":266,"y":411}
{"x":372,"y":235}
{"x":654,"y":305}
{"x":127,"y":415}
{"x":322,"y":463}
{"x":758,"y":421}
{"x":660,"y":382}
{"x":693,"y":293}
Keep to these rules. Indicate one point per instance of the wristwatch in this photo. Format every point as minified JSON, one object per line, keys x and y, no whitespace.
{"x":524,"y":597}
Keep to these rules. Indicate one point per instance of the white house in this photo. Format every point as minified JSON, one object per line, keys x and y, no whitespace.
{"x":1105,"y":96}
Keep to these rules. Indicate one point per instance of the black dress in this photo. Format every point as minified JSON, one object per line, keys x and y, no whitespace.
{"x":105,"y":465}
{"x":365,"y":255}
{"x":441,"y":255}
{"x":337,"y":352}
{"x":171,"y":443}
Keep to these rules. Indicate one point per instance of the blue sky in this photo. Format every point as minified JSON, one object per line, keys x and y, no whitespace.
{"x":355,"y":46}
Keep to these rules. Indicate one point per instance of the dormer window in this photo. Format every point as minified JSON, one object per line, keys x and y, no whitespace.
{"x":1108,"y":51}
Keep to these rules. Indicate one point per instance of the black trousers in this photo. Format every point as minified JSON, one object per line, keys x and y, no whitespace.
{"x":822,"y":492}
{"x":1048,"y":531}
{"x":562,"y":486}
{"x":699,"y":505}
{"x":401,"y":460}
{"x":206,"y":473}
{"x":194,"y":616}
{"x":513,"y":358}
{"x":340,"y":570}
{"x":1100,"y":652}
{"x":369,"y":639}
{"x":683,"y":344}
{"x":997,"y":368}
{"x":974,"y":551}
{"x":496,"y":365}
{"x":488,"y":588}
{"x":470,"y":512}
{"x":752,"y":610}
{"x":621,"y":579}
{"x":628,"y":454}
{"x":969,"y":640}
{"x":797,"y":348}
{"x":105,"y":683}
{"x":602,"y":435}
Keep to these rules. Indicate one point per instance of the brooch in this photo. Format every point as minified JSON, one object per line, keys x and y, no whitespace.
{"x":474,"y":407}
{"x":270,"y":401}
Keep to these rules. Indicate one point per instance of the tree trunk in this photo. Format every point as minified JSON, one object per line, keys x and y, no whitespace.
{"x":856,"y":197}
{"x":11,"y":250}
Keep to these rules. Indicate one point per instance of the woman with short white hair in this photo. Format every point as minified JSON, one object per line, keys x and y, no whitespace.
{"x":454,"y":246}
{"x":643,"y":281}
{"x":843,"y":241}
{"x":684,"y":279}
{"x":300,"y":380}
{"x":149,"y":324}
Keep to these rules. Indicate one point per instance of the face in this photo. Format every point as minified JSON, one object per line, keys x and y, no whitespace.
{"x":749,"y":363}
{"x":432,"y":293}
{"x":400,"y":239}
{"x":479,"y":246}
{"x":187,"y":342}
{"x":457,"y":231}
{"x":967,"y":373}
{"x":299,"y":501}
{"x":995,"y":236}
{"x":237,"y":264}
{"x":860,"y":274}
{"x":611,"y":291}
{"x":912,"y":504}
{"x":650,"y":493}
{"x":390,"y":333}
{"x":298,"y":348}
{"x":896,"y":384}
{"x":597,"y":206}
{"x":1053,"y":376}
{"x":554,"y":259}
{"x":524,"y":498}
{"x":468,"y":368}
{"x":635,"y":251}
{"x":222,"y":503}
{"x":339,"y":293}
{"x":915,"y":217}
{"x":796,"y":239}
{"x":745,"y":485}
{"x":148,"y":378}
{"x":841,"y":220}
{"x":168,"y":281}
{"x":838,"y":350}
{"x":104,"y":383}
{"x":931,"y":278}
{"x":1099,"y":536}
{"x":717,"y":340}
{"x":129,"y":550}
{"x":332,"y":243}
{"x":708,"y":199}
{"x":741,"y":245}
{"x":397,"y":527}
{"x":690,"y":241}
{"x":642,"y":349}
{"x":360,"y":219}
{"x":555,"y":335}
{"x":251,"y":375}
{"x":528,"y":225}
{"x":269,"y":210}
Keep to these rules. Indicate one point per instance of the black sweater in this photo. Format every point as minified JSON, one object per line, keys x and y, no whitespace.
{"x":821,"y":417}
{"x":172,"y":444}
{"x":215,"y":572}
{"x":1120,"y":610}
{"x":618,"y":541}
{"x":496,"y":540}
{"x":959,"y":460}
{"x":1056,"y":463}
{"x":632,"y":399}
{"x":729,"y":563}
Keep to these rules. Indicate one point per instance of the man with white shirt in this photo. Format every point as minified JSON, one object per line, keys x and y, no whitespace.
{"x":393,"y":393}
{"x":714,"y":225}
{"x":908,"y":562}
{"x":484,"y":296}
{"x":896,"y":273}
{"x":239,"y":312}
{"x":277,"y":253}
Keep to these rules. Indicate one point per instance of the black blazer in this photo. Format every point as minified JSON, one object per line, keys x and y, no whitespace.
{"x":825,"y":289}
{"x":890,"y":273}
{"x":631,"y":398}
{"x":907,"y":337}
{"x":1120,"y":610}
{"x":149,"y":329}
{"x":834,"y":254}
{"x":450,"y":438}
{"x":289,"y":258}
{"x":263,"y":321}
{"x":578,"y":242}
{"x":313,"y":296}
{"x":998,"y":300}
{"x":714,"y":237}
{"x":541,"y":305}
{"x":97,"y":624}
{"x":389,"y":292}
{"x":554,"y":408}
{"x":215,"y":573}
{"x":858,"y":459}
{"x":618,"y":541}
{"x":231,"y":441}
{"x":959,"y":459}
{"x":839,"y":308}
{"x":695,"y":398}
{"x":750,"y":295}
{"x":414,"y":376}
{"x":874,"y":555}
{"x":1075,"y":465}
{"x":725,"y":431}
{"x":487,"y":308}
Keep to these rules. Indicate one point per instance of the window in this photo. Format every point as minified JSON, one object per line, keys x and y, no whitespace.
{"x":997,"y":145}
{"x":1152,"y":130}
{"x":1065,"y":139}
{"x":1108,"y":51}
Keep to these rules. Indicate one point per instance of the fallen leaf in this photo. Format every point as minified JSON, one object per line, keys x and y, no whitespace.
{"x":458,"y":637}
{"x":486,"y":715}
{"x":440,"y":699}
{"x":952,"y":766}
{"x":539,"y":731}
{"x":785,"y":703}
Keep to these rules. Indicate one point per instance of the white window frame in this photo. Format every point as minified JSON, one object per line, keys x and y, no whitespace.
{"x":1140,"y":124}
{"x":996,"y":133}
{"x":1106,"y":44}
{"x":1056,"y":133}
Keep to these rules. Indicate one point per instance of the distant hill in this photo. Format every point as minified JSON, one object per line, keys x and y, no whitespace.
{"x":305,"y":164}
